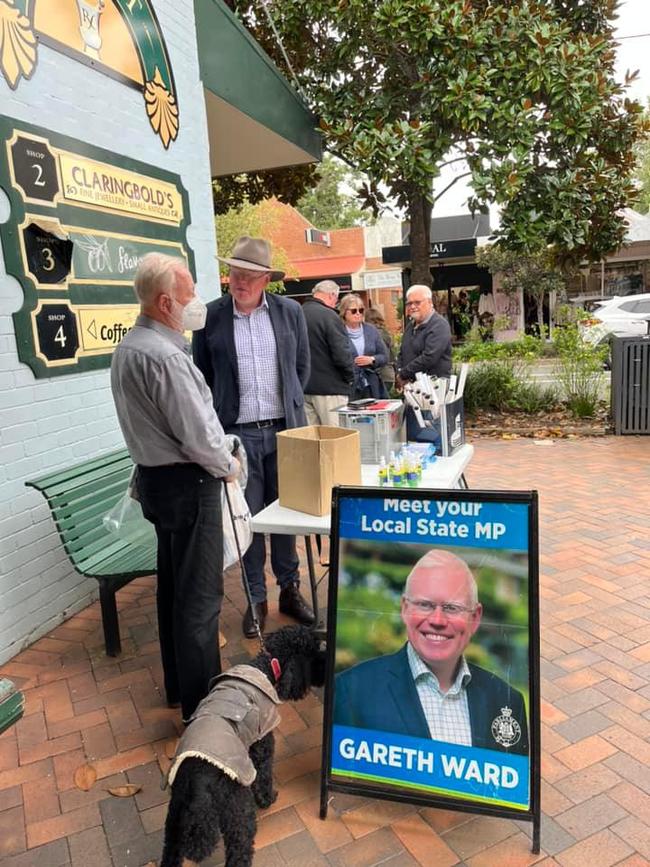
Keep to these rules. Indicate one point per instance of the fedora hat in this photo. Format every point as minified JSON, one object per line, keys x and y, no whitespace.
{"x":252,"y":254}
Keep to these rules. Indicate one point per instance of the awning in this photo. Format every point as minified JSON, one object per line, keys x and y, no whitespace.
{"x":330,"y":266}
{"x":255,"y":118}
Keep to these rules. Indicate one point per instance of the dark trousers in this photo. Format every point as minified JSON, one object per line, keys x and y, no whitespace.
{"x":183,"y":502}
{"x":261,"y":490}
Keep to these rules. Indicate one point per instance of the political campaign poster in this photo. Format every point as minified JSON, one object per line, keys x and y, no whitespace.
{"x":433,"y":645}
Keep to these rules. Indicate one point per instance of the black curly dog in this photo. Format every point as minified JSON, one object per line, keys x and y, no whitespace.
{"x":205,"y":801}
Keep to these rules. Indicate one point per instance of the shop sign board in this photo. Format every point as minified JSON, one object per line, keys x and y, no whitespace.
{"x":81,"y":220}
{"x":120,"y":38}
{"x":432,"y":693}
{"x":382,"y":279}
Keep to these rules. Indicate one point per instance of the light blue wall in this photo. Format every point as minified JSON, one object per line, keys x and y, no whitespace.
{"x":50,"y":423}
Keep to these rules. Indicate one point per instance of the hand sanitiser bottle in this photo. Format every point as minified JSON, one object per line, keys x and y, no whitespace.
{"x":383,"y":472}
{"x":392,"y":463}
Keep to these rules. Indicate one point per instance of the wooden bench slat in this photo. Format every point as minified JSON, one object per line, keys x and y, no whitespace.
{"x":134,"y":560}
{"x":81,"y":486}
{"x":62,"y":476}
{"x":120,"y":558}
{"x":70,"y":514}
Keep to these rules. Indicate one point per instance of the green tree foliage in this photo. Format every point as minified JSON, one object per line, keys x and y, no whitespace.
{"x":328,"y":205}
{"x":522,"y":90}
{"x":253,"y":220}
{"x":535,"y":273}
{"x":286,"y":185}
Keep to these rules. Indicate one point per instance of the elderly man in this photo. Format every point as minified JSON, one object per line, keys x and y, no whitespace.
{"x":426,"y":348}
{"x":254,"y":354}
{"x":332,"y":369}
{"x":427,"y":689}
{"x":178,"y":445}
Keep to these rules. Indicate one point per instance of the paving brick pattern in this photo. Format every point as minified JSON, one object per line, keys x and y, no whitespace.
{"x":595,"y":603}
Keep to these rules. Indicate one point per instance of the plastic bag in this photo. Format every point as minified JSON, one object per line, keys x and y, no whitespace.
{"x":240,"y":520}
{"x":126,"y":521}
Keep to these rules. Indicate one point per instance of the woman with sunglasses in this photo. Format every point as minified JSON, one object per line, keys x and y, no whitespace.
{"x":368,"y":349}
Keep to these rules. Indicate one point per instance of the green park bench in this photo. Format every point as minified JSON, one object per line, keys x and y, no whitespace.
{"x":12,"y":704}
{"x":79,"y":497}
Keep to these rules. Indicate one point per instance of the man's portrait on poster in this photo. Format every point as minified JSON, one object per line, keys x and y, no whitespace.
{"x":428,"y":688}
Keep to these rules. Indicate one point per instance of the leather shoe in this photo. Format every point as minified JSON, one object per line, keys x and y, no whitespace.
{"x":293,"y":605}
{"x":248,"y":627}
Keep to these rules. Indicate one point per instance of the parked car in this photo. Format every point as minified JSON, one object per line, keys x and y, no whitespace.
{"x":625,"y":315}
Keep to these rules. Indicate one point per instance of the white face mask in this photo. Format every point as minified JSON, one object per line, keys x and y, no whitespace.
{"x":194,"y":315}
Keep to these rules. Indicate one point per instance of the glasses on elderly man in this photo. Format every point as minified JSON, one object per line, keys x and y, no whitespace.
{"x":449,"y":609}
{"x":355,"y":309}
{"x":246,"y":276}
{"x":414,"y":303}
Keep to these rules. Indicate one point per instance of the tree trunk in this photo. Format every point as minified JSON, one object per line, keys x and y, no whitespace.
{"x":420,"y":217}
{"x":540,"y":314}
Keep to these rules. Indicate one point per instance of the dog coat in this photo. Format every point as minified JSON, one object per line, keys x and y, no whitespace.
{"x":238,"y":711}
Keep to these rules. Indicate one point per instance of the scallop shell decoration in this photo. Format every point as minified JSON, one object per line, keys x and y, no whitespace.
{"x":17,"y":44}
{"x":161,"y":108}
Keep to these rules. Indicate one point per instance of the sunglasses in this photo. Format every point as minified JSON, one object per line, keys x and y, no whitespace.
{"x":355,"y":310}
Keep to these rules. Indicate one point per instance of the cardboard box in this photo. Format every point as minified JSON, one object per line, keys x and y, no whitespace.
{"x":311,"y":460}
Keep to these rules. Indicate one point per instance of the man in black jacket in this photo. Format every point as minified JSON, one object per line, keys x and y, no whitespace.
{"x":332,"y":367}
{"x":426,"y":348}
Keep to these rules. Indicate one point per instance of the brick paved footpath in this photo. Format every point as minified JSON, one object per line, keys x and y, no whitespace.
{"x":595,"y":566}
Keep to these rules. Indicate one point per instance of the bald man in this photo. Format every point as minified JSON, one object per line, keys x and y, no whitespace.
{"x":428,"y":689}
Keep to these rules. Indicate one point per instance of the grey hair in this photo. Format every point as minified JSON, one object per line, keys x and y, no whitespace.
{"x":348,"y":301}
{"x":441,"y":560}
{"x":156,"y":274}
{"x":326,"y":287}
{"x":428,"y":294}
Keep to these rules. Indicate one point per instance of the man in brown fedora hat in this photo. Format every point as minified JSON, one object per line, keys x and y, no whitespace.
{"x":254,"y":354}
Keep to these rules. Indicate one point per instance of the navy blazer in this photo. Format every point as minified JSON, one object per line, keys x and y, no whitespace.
{"x":215,"y":355}
{"x":380,"y":694}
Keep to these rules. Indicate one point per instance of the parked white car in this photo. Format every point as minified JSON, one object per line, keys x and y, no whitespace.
{"x":622,"y":315}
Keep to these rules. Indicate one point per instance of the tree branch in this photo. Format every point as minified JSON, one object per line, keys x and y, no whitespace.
{"x":450,"y":185}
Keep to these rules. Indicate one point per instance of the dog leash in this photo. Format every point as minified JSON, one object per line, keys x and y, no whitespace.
{"x":275,"y":664}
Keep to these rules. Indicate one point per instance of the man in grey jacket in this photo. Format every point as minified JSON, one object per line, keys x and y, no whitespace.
{"x":173,"y":435}
{"x":426,"y":348}
{"x":332,"y":368}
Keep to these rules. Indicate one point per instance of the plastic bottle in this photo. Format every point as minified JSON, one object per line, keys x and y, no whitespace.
{"x":412,"y":471}
{"x":391,"y":466}
{"x":398,"y":474}
{"x":383,"y":472}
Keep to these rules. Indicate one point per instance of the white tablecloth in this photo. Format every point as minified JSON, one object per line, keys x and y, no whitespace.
{"x":444,"y":473}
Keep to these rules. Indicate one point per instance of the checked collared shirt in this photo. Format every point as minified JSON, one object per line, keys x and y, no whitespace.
{"x":447,"y":714}
{"x":260,"y":394}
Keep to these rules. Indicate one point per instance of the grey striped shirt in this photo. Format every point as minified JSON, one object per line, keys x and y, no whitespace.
{"x":163,"y":404}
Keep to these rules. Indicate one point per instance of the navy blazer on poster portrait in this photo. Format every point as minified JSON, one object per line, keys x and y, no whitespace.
{"x":215,"y":355}
{"x":380,"y":694}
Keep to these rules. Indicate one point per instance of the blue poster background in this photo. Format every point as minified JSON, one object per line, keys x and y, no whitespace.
{"x":484,"y":776}
{"x":443,"y":522}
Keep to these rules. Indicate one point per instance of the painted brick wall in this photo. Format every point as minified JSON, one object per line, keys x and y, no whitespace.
{"x":48,"y":424}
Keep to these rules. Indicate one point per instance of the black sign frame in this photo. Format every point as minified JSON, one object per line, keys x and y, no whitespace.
{"x":329,"y":784}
